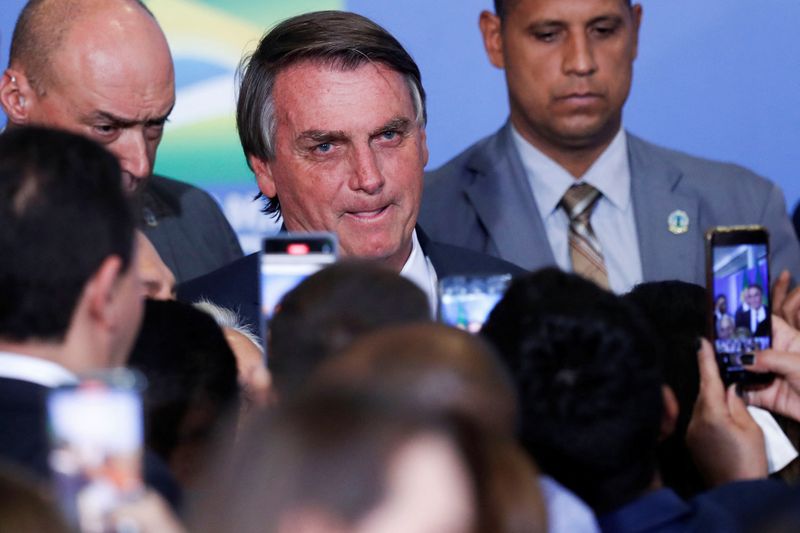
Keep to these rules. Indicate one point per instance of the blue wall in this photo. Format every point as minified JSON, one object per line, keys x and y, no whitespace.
{"x":717,"y":78}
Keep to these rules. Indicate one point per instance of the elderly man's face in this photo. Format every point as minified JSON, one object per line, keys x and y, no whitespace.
{"x":349,"y":158}
{"x":112,"y":80}
{"x":568,"y":68}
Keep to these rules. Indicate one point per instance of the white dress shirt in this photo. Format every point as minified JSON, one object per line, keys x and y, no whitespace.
{"x":418,"y":268}
{"x":34,"y":370}
{"x":612,"y":220}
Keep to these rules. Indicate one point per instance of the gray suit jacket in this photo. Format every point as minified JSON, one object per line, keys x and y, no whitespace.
{"x":482,"y":200}
{"x":187,"y":227}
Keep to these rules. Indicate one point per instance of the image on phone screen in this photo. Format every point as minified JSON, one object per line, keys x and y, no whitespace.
{"x":286,"y":260}
{"x":740,"y":294}
{"x":96,"y":434}
{"x":466,"y":301}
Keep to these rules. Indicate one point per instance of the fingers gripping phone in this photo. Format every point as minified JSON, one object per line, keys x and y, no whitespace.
{"x":737,"y":282}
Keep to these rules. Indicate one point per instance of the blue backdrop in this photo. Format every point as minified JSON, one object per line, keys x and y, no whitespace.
{"x":716,"y":78}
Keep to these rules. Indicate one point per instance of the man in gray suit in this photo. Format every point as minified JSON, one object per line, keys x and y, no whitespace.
{"x":568,"y":68}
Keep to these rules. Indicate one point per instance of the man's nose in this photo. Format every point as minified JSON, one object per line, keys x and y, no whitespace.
{"x":366,"y":175}
{"x":131,"y":150}
{"x":579,"y":56}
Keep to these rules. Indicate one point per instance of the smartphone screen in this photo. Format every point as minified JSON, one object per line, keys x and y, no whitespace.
{"x":466,"y":301}
{"x":286,"y":260}
{"x":738,"y":287}
{"x":96,"y":434}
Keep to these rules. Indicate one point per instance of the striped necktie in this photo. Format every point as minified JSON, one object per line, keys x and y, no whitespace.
{"x":584,"y":248}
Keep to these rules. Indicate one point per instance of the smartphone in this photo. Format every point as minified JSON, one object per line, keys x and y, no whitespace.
{"x":466,"y":301}
{"x":737,"y":282}
{"x":96,"y":434}
{"x":286,"y":260}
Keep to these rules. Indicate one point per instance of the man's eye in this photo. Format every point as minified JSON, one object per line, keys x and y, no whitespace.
{"x":545,"y":36}
{"x":105,"y":129}
{"x":604,"y":31}
{"x":323,"y":148}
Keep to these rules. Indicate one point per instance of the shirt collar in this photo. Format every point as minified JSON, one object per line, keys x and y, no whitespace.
{"x":610,"y":174}
{"x":420,"y":272}
{"x":34,"y":370}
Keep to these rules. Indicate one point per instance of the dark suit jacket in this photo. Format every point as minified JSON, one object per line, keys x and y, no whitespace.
{"x":236,"y":286}
{"x":187,"y":227}
{"x":482,"y":200}
{"x":730,"y":508}
{"x":742,"y":320}
{"x":24,"y":440}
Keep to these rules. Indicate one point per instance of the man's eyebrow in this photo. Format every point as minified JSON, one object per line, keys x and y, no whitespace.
{"x":613,"y":18}
{"x":395,"y":124}
{"x":322,"y":136}
{"x":127,"y":122}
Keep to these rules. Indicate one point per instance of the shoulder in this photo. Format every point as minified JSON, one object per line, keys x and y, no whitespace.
{"x":174,"y":192}
{"x":697,"y":172}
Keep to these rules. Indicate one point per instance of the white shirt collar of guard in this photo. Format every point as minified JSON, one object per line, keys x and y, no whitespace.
{"x":610,"y":174}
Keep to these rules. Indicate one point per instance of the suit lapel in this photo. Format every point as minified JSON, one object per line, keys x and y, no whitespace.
{"x":504,"y":203}
{"x":666,"y":253}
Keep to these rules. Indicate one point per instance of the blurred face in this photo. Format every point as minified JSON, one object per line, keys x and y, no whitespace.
{"x":429,"y":491}
{"x":349,"y":158}
{"x":128,"y":310}
{"x":752,"y":297}
{"x":112,"y":81}
{"x":568,"y":68}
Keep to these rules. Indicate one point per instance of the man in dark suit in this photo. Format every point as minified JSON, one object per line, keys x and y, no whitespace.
{"x":331,"y":115}
{"x":752,"y":315}
{"x":102,"y":68}
{"x":72,"y":299}
{"x":568,"y":68}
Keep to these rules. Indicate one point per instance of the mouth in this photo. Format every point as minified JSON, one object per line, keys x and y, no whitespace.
{"x":367,"y":215}
{"x":580,"y":98}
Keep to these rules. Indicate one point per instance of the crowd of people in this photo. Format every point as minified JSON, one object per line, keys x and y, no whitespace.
{"x":589,"y":400}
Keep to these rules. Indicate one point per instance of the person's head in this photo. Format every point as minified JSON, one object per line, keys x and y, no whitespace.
{"x":753,"y":296}
{"x":254,"y":378}
{"x":192,"y":386}
{"x":329,"y":309}
{"x":343,"y":462}
{"x":331,"y":116}
{"x":676,"y":310}
{"x":430,"y":366}
{"x":568,"y":67}
{"x":101,"y":68}
{"x":68,"y":275}
{"x":589,"y":384}
{"x":721,"y":303}
{"x":158,"y":281}
{"x":726,"y":327}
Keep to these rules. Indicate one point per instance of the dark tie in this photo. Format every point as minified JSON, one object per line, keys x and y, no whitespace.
{"x":584,"y":248}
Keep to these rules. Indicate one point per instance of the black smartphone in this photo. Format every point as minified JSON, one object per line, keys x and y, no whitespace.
{"x":466,"y":301}
{"x":737,"y":282}
{"x":97,"y":439}
{"x":286,"y":260}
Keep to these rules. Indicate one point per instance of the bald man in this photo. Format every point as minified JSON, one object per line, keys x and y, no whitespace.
{"x":102,"y":68}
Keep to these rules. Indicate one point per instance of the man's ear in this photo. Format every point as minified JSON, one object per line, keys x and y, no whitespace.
{"x":263,"y":171}
{"x":491,"y":29}
{"x":636,"y":13}
{"x":99,"y":291}
{"x":669,"y":416}
{"x":16,"y":96}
